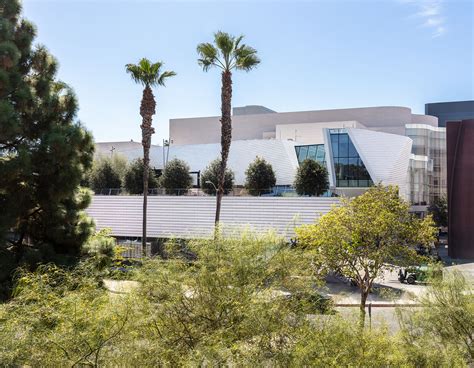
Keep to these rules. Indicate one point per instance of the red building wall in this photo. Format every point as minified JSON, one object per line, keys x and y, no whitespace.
{"x":460,"y":156}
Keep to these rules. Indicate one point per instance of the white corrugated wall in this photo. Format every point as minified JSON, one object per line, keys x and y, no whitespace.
{"x":194,"y":216}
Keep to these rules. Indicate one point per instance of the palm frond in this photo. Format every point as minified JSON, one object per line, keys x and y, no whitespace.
{"x":246,"y":58}
{"x":208,"y":55}
{"x":227,"y":53}
{"x":165,"y":75}
{"x":224,"y":42}
{"x":148,"y":73}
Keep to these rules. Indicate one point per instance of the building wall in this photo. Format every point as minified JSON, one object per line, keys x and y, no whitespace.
{"x":450,"y":111}
{"x":310,"y":133}
{"x":460,"y":138}
{"x":188,"y":217}
{"x":389,"y":119}
{"x":428,"y":166}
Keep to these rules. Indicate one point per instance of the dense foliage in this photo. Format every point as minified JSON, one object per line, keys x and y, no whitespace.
{"x":211,"y":174}
{"x":176,"y":178}
{"x":439,"y":210}
{"x":133,"y":178}
{"x":311,"y":178}
{"x":235,"y":302}
{"x":44,"y":151}
{"x":365,"y":236}
{"x":104,"y":176}
{"x":260,"y":177}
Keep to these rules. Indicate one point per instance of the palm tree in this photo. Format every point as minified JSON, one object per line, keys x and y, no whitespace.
{"x":227,"y":53}
{"x":149,"y":75}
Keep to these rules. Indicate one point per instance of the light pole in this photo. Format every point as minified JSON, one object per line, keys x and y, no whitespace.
{"x":210,"y":182}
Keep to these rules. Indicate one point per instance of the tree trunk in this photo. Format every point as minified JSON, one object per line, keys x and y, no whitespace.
{"x":226,"y":138}
{"x":147,"y":110}
{"x":363,"y":300}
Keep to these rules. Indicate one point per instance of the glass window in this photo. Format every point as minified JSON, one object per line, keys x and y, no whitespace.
{"x":343,"y":145}
{"x":352,"y":150}
{"x":312,"y":151}
{"x":349,"y":169}
{"x":335,"y":144}
{"x":303,"y":153}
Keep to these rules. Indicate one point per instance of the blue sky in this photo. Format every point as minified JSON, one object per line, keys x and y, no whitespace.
{"x":315,"y":55}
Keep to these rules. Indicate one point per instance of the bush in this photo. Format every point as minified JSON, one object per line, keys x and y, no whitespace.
{"x":176,"y":178}
{"x":133,"y":180}
{"x":246,"y":301}
{"x":311,"y":178}
{"x":211,"y":174}
{"x":100,"y":250}
{"x":103,"y":176}
{"x":260,"y":177}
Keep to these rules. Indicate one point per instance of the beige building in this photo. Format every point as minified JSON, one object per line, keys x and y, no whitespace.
{"x":258,"y":122}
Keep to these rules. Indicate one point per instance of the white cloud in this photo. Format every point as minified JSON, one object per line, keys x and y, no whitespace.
{"x":430,"y":15}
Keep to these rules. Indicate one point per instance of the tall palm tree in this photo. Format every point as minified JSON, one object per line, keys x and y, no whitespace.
{"x":227,"y":53}
{"x":149,"y":75}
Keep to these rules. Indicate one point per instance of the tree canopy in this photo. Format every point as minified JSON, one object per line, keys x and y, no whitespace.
{"x":227,"y":53}
{"x":148,"y":73}
{"x":260,"y":177}
{"x":104,"y":175}
{"x":210,"y":175}
{"x":133,"y":179}
{"x":366,"y":235}
{"x":44,"y":150}
{"x":439,"y":210}
{"x":176,"y":178}
{"x":311,"y":178}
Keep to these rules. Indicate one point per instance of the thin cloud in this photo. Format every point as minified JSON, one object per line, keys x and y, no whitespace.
{"x":430,"y":15}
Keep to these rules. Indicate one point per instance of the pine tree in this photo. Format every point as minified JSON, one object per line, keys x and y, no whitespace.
{"x":44,"y":151}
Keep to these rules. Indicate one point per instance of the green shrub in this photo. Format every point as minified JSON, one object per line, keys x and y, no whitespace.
{"x":133,"y":179}
{"x":211,"y":174}
{"x":260,"y":177}
{"x":176,"y":178}
{"x":311,"y":178}
{"x":103,"y":176}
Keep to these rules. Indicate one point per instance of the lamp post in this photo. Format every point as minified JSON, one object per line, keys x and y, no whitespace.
{"x":210,"y":182}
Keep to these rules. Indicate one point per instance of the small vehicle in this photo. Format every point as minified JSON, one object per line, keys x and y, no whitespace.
{"x":414,"y":274}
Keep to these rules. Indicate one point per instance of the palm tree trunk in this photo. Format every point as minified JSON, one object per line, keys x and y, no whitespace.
{"x":147,"y":110}
{"x":226,"y":138}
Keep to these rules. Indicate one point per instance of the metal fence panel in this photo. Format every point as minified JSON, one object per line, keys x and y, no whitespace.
{"x":185,"y":217}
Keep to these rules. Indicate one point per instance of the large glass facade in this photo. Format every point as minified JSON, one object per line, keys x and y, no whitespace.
{"x":349,"y":169}
{"x":313,"y":151}
{"x":427,"y":171}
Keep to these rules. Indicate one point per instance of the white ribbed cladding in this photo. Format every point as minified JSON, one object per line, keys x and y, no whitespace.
{"x":194,"y":216}
{"x":385,"y":156}
{"x":280,"y":154}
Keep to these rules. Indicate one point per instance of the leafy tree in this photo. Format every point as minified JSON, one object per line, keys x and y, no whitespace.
{"x":260,"y":177}
{"x":227,"y":53}
{"x":149,"y":75}
{"x":133,"y":180}
{"x":44,"y":151}
{"x":176,"y":178}
{"x":103,"y":176}
{"x":311,"y":178}
{"x":439,"y":210}
{"x":210,"y":175}
{"x":365,"y":236}
{"x":446,"y":320}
